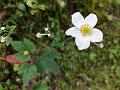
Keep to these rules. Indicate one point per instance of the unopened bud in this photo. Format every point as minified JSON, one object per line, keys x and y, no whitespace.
{"x":38,"y":35}
{"x":2,"y":28}
{"x":46,"y":29}
{"x":26,"y":52}
{"x":101,"y":45}
{"x":3,"y":39}
{"x":49,"y":35}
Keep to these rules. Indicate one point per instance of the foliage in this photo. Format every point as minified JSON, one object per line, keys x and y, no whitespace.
{"x":54,"y":62}
{"x":21,"y":47}
{"x":1,"y":87}
{"x":28,"y":72}
{"x":46,"y":62}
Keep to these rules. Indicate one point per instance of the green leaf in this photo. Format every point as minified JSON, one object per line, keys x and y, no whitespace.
{"x":46,"y":61}
{"x":50,"y":53}
{"x":18,"y":45}
{"x":24,"y":45}
{"x":33,"y":11}
{"x":61,"y":3}
{"x":29,"y":45}
{"x":21,"y":56}
{"x":9,"y":40}
{"x":42,"y":6}
{"x":11,"y":28}
{"x":28,"y":72}
{"x":47,"y":65}
{"x":21,"y":46}
{"x":21,"y":6}
{"x":31,"y":3}
{"x":1,"y":87}
{"x":8,"y":82}
{"x":41,"y":87}
{"x":110,"y":17}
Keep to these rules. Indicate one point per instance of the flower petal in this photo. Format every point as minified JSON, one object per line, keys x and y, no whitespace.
{"x":82,"y":43}
{"x":96,"y":36}
{"x":73,"y":31}
{"x":78,"y":20}
{"x":91,"y":19}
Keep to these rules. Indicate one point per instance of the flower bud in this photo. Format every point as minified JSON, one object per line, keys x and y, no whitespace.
{"x":38,"y":35}
{"x":2,"y":28}
{"x":101,"y":45}
{"x":26,"y":52}
{"x":3,"y":39}
{"x":46,"y":29}
{"x":49,"y":35}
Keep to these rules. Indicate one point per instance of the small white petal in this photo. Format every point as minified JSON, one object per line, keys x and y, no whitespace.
{"x":82,"y":43}
{"x":91,"y":19}
{"x":73,"y":31}
{"x":96,"y":36}
{"x":3,"y":39}
{"x":101,"y":45}
{"x":46,"y":29}
{"x":2,"y":28}
{"x":78,"y":20}
{"x":49,"y":35}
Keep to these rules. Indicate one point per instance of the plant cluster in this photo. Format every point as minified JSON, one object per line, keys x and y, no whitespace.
{"x":36,"y":52}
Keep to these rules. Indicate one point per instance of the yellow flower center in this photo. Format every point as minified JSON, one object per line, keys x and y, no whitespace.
{"x":26,"y":52}
{"x":86,"y":30}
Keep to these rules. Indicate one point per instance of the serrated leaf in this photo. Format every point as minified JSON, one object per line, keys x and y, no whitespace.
{"x":47,"y":65}
{"x":46,"y":61}
{"x":21,"y":47}
{"x":18,"y":45}
{"x":29,"y":45}
{"x":28,"y":72}
{"x":21,"y":56}
{"x":50,"y":53}
{"x":23,"y":68}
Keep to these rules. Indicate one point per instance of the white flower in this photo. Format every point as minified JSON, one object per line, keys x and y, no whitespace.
{"x":101,"y":45}
{"x":39,"y":35}
{"x":2,"y":28}
{"x":46,"y":29}
{"x":84,"y":31}
{"x":49,"y":35}
{"x":3,"y":39}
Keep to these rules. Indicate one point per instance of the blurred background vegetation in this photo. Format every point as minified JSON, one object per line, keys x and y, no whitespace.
{"x":91,"y":69}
